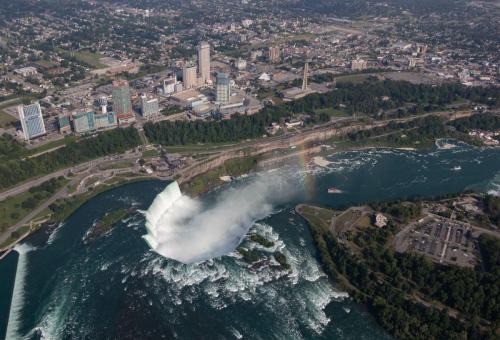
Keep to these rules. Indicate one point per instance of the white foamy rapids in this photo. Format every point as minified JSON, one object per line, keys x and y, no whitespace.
{"x":445,"y":143}
{"x":189,"y":230}
{"x":225,"y":281}
{"x":17,"y":301}
{"x":54,"y":233}
{"x":494,"y":186}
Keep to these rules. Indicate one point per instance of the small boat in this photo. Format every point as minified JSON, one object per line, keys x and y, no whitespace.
{"x":334,"y":190}
{"x":457,"y":168}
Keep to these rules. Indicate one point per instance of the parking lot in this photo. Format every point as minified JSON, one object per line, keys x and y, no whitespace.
{"x":443,"y":241}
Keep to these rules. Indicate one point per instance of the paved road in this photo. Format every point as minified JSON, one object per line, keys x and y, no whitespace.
{"x":62,"y":193}
{"x":35,"y":182}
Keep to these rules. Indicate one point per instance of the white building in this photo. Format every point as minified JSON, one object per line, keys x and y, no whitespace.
{"x":240,"y":64}
{"x":31,"y":119}
{"x":359,"y":65}
{"x":26,"y":71}
{"x":149,"y":107}
{"x":169,"y":85}
{"x":204,"y":62}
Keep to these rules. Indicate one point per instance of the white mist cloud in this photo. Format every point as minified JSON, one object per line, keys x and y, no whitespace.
{"x":189,"y":230}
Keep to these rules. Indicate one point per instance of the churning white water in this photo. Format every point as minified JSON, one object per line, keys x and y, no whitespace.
{"x":189,"y":230}
{"x":17,"y":303}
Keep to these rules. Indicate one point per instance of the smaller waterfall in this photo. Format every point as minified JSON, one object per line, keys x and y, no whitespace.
{"x":17,"y":303}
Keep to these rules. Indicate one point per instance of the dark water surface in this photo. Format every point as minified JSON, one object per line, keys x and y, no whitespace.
{"x":115,"y":287}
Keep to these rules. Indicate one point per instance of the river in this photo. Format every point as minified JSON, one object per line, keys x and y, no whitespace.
{"x":56,"y":287}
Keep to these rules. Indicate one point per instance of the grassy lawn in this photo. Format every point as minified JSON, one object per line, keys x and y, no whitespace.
{"x":353,"y":78}
{"x":15,"y":235}
{"x":198,"y":147}
{"x":46,"y":63}
{"x":332,"y":112}
{"x":117,"y":165}
{"x":150,"y":153}
{"x":51,"y":145}
{"x":65,"y":207}
{"x":88,"y":57}
{"x":6,"y":119}
{"x":233,"y":167}
{"x":319,"y":216}
{"x":14,"y":208}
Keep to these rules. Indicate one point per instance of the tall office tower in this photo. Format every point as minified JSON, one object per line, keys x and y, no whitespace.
{"x":222,"y":88}
{"x":204,"y":61}
{"x":122,"y":105}
{"x":149,"y":107}
{"x":305,"y":83}
{"x":188,"y":76}
{"x":274,"y":54}
{"x":31,"y":120}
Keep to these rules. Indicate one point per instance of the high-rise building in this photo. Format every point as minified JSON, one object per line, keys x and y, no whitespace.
{"x":122,"y":104}
{"x":204,"y":61}
{"x":31,"y":120}
{"x":274,"y":54}
{"x":84,"y":122}
{"x":222,"y":88}
{"x":121,"y":98}
{"x":188,"y":76}
{"x":169,"y":84}
{"x":149,"y":107}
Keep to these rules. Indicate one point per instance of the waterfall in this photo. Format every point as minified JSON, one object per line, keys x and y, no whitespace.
{"x":191,"y":230}
{"x":161,"y":204}
{"x":17,"y":302}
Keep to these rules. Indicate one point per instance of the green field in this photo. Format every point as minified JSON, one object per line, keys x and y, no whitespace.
{"x":332,"y":112}
{"x":233,"y":167}
{"x":6,"y":119}
{"x":15,"y":235}
{"x":117,"y":165}
{"x":51,"y":145}
{"x":199,"y":147}
{"x":46,"y":63}
{"x":14,"y":208}
{"x":354,"y":78}
{"x":87,"y":57}
{"x":150,"y":153}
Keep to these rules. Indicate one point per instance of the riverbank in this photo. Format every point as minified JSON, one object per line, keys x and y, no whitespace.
{"x":400,"y":288}
{"x":204,"y":175}
{"x":63,"y":208}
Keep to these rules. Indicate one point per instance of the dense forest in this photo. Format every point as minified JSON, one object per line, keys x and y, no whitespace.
{"x":10,"y":148}
{"x":16,"y":170}
{"x":422,"y":131}
{"x":492,"y":208}
{"x":481,"y":122}
{"x":370,"y":97}
{"x":390,"y":284}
